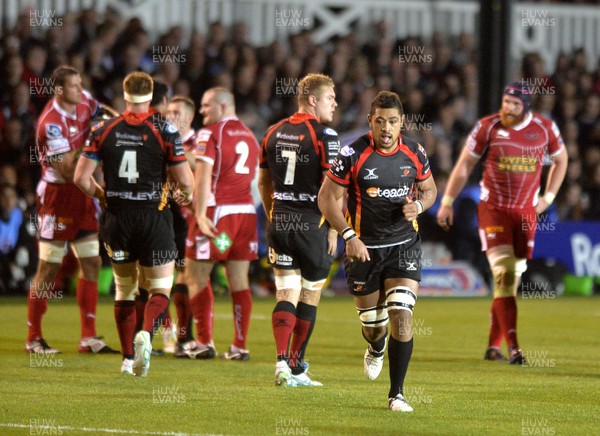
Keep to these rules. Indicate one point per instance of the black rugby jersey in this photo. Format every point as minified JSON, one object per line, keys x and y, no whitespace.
{"x":296,"y":151}
{"x":378,"y":186}
{"x":134,"y":149}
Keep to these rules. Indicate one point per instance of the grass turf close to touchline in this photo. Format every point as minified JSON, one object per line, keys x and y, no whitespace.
{"x":451,"y":388}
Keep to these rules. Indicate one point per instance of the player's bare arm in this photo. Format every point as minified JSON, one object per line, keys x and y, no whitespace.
{"x":332,"y":234}
{"x":458,"y":178}
{"x":426,"y":194}
{"x":65,"y":164}
{"x":84,"y":179}
{"x":556,"y":175}
{"x":203,"y":176}
{"x":108,"y":110}
{"x":265,"y":188}
{"x":184,"y":178}
{"x":330,"y":197}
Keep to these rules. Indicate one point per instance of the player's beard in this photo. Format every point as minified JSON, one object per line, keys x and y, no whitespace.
{"x":509,"y":120}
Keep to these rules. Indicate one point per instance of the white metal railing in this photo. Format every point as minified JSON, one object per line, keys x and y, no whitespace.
{"x":544,"y":28}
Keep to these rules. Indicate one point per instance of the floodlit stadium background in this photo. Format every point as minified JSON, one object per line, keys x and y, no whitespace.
{"x":428,"y":52}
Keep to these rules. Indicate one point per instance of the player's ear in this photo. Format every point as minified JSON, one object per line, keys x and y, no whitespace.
{"x":369,"y":118}
{"x":312,"y":100}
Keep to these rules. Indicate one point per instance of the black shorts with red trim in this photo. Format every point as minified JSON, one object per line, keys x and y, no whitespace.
{"x":395,"y":262}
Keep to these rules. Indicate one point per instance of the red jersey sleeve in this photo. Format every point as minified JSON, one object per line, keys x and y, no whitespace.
{"x":477,"y":142}
{"x":206,"y":146}
{"x":555,"y":141}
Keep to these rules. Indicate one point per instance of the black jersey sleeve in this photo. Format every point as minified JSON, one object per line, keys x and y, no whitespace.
{"x":424,"y":171}
{"x":340,"y":168}
{"x":173,"y":144}
{"x":331,"y":146}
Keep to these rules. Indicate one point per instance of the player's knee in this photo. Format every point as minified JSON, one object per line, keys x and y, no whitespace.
{"x":374,"y":319}
{"x":160,"y":283}
{"x":291,"y":282}
{"x":313,"y":286}
{"x":126,"y":287}
{"x":51,"y":253}
{"x":506,"y":269}
{"x":374,"y":334}
{"x":86,"y":249}
{"x":401,"y":324}
{"x":401,"y":298}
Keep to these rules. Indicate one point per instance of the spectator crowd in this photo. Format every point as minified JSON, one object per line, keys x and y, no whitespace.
{"x":436,"y":79}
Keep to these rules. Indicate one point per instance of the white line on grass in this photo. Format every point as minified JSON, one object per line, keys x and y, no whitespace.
{"x":99,"y":430}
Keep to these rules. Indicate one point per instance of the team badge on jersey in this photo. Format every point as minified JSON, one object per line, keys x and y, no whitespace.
{"x":171,"y":128}
{"x":53,"y":130}
{"x":347,"y":151}
{"x":329,"y":131}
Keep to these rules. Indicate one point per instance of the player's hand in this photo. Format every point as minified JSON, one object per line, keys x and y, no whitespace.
{"x":445,"y":217}
{"x":410,"y":211}
{"x":541,"y":205}
{"x":181,"y":198}
{"x":332,"y":238}
{"x":207,"y":227}
{"x":356,"y":251}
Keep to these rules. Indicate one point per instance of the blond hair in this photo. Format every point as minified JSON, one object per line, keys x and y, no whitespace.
{"x":313,"y":84}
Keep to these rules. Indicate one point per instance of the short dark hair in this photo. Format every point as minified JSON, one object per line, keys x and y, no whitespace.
{"x":160,"y":92}
{"x":386,"y":100}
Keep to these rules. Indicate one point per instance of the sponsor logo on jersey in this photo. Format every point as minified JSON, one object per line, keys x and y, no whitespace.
{"x":287,"y":136}
{"x":53,"y":130}
{"x":518,"y":164}
{"x":292,"y":196}
{"x":371,"y":175}
{"x":135,"y":196}
{"x":532,"y":136}
{"x":347,"y":151}
{"x":329,"y":131}
{"x":422,"y":150}
{"x":388,"y":192}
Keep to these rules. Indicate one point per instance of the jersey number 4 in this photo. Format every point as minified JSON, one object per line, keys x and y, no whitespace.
{"x":128,"y":166}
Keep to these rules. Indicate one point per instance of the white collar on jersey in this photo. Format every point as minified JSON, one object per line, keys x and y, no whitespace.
{"x":524,"y":123}
{"x":61,"y":111}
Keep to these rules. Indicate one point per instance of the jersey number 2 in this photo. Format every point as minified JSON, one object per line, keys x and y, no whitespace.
{"x":241,"y":148}
{"x":128,"y":167}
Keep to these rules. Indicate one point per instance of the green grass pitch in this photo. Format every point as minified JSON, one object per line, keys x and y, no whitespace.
{"x":453,"y":391}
